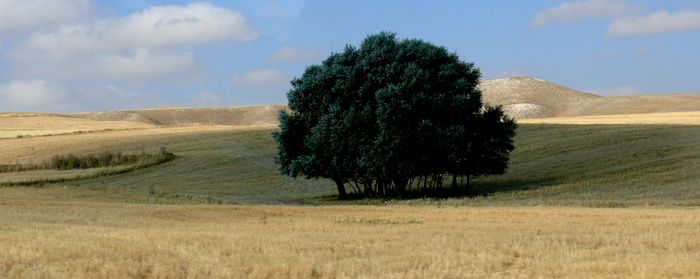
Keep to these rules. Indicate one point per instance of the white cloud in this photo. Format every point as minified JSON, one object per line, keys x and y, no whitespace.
{"x":64,"y":41}
{"x":38,"y":95}
{"x":155,"y":27}
{"x":139,"y":64}
{"x":31,"y":95}
{"x":146,"y":44}
{"x":163,"y":26}
{"x":18,"y":16}
{"x":58,"y":56}
{"x":262,"y":77}
{"x":580,"y":10}
{"x":145,"y":64}
{"x":288,"y":54}
{"x":655,"y":23}
{"x":109,"y":97}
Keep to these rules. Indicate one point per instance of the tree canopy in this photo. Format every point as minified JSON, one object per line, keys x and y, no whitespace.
{"x":389,"y":116}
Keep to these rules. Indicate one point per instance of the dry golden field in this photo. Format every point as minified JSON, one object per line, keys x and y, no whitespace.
{"x":52,"y":174}
{"x":24,"y":124}
{"x":662,"y":118}
{"x":95,"y":240}
{"x":238,"y":116}
{"x":36,"y":149}
{"x":105,"y":227}
{"x":128,"y":135}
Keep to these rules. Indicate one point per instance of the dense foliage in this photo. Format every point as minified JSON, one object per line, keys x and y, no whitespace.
{"x":391,"y":116}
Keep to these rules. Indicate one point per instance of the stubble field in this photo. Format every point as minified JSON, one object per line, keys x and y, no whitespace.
{"x":550,"y":216}
{"x":88,"y":240}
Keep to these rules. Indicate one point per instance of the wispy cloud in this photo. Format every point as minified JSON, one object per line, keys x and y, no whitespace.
{"x":262,"y":77}
{"x":655,"y":23}
{"x":289,"y":54}
{"x":31,"y":95}
{"x":580,"y":10}
{"x":58,"y":55}
{"x":150,"y":43}
{"x":40,"y":95}
{"x":17,"y":16}
{"x":143,"y":63}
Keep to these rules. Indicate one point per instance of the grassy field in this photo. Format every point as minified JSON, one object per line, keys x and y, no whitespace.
{"x":585,"y":165}
{"x":665,"y":118}
{"x":89,"y":240}
{"x":214,"y":164}
{"x":25,"y":177}
{"x":179,"y":219}
{"x":600,"y":165}
{"x":18,"y":125}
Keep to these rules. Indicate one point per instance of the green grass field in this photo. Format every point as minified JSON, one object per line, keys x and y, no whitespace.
{"x":580,"y":165}
{"x":601,"y":165}
{"x":214,"y":167}
{"x":92,"y":228}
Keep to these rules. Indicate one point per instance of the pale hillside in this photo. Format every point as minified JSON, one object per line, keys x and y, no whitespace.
{"x":524,"y":97}
{"x":646,"y":104}
{"x":14,"y":125}
{"x":237,"y":116}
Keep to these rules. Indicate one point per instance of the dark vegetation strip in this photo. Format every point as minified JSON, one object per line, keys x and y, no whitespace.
{"x":104,"y":159}
{"x":75,"y":162}
{"x":18,"y":167}
{"x":141,"y":165}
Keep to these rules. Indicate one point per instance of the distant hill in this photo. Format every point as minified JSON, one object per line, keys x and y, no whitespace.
{"x":237,"y":116}
{"x":522,"y":98}
{"x":526,"y":97}
{"x":645,"y":104}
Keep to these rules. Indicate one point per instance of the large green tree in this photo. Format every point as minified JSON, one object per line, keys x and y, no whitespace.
{"x":390,"y":115}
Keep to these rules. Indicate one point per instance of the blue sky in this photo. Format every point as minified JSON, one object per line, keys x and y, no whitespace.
{"x":86,"y":55}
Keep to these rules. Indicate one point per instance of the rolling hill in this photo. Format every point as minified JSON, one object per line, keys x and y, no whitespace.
{"x":522,"y":98}
{"x":236,"y":116}
{"x":18,"y":125}
{"x":526,"y":97}
{"x":184,"y":216}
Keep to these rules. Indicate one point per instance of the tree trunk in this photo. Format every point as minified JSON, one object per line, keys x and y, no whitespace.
{"x":455,"y":187}
{"x":382,"y":187}
{"x":400,"y":185}
{"x":341,"y":189}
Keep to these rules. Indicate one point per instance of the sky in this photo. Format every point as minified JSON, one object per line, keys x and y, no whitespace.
{"x":96,"y":55}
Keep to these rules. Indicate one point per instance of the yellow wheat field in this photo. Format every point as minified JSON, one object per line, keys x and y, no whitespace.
{"x":25,"y":124}
{"x":58,"y":232}
{"x":44,"y":239}
{"x":665,"y":118}
{"x":37,"y":149}
{"x":106,"y":134}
